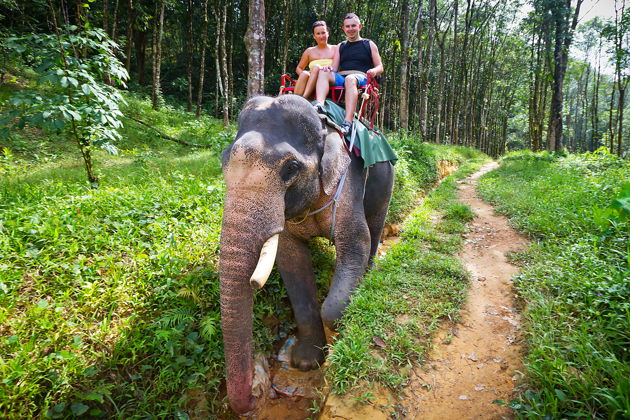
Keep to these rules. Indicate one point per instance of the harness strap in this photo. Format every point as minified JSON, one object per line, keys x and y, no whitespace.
{"x":333,"y":200}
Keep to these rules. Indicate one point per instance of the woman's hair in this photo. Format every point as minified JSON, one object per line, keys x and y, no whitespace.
{"x":319,"y":23}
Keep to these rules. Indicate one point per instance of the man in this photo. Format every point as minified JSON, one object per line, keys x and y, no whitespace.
{"x":354,"y":60}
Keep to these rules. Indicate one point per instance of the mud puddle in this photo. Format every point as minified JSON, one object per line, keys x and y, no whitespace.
{"x":296,"y":395}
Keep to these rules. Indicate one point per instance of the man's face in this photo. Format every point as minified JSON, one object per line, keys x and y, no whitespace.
{"x":351,"y":27}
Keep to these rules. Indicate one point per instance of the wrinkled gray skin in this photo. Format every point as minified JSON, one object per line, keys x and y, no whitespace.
{"x":284,"y":163}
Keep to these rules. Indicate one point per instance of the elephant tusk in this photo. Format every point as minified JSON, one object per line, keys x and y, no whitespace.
{"x":265,"y":262}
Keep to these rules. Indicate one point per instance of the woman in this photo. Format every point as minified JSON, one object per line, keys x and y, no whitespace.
{"x":316,"y":58}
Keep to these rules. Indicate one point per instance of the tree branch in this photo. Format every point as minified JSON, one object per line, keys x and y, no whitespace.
{"x":167,"y":137}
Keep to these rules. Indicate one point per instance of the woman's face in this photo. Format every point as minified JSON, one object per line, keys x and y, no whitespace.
{"x":320,"y":33}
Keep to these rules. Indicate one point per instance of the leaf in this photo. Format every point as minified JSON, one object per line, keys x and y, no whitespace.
{"x":379,"y":342}
{"x":75,"y":115}
{"x":79,"y":408}
{"x":561,"y":395}
{"x":94,"y":396}
{"x":59,"y":124}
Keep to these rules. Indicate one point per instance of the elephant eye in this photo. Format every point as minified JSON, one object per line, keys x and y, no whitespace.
{"x":290,"y":169}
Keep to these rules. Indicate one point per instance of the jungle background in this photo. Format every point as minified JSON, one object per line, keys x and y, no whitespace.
{"x":497,"y":75}
{"x":109,"y":288}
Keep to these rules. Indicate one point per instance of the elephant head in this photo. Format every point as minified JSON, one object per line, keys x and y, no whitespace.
{"x":281,"y":163}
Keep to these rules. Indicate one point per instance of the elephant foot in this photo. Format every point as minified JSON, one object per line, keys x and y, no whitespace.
{"x":307,"y":356}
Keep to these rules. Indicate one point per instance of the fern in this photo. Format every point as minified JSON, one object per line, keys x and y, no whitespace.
{"x":209,"y":326}
{"x":176,"y":317}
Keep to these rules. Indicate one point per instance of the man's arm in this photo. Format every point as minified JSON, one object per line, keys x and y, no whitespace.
{"x":376,"y":59}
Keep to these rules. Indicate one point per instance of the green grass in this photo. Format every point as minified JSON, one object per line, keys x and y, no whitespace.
{"x":109,"y":301}
{"x":405,"y":297}
{"x":575,"y":286}
{"x":109,"y":297}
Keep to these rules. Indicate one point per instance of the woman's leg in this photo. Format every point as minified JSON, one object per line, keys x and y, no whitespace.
{"x":312,"y":81}
{"x":301,"y":83}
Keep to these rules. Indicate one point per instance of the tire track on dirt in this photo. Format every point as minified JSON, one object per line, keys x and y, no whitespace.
{"x":475,"y":361}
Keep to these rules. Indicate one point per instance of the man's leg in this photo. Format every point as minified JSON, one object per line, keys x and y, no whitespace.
{"x":352,"y":95}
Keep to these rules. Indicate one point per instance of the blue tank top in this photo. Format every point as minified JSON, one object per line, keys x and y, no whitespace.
{"x":355,"y":56}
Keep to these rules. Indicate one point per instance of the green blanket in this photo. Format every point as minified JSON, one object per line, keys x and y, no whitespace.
{"x":372,"y":146}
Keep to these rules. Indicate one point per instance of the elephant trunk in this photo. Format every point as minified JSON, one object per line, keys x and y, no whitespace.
{"x":242,"y":236}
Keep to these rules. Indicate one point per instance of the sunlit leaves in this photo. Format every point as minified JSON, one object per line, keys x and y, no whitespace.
{"x":70,"y":93}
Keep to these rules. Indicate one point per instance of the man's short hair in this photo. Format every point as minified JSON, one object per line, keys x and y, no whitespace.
{"x":351,"y":16}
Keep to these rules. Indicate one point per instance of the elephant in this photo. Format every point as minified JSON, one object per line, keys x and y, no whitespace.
{"x":284,"y":164}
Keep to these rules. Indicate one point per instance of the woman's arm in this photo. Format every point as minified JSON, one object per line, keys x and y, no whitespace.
{"x":303,"y":62}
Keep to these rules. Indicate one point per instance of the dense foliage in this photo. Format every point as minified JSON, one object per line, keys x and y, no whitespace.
{"x":575,"y":285}
{"x":467,"y":73}
{"x":69,"y":93}
{"x":109,"y":297}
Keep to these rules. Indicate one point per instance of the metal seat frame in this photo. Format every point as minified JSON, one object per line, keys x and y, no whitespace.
{"x":369,"y":95}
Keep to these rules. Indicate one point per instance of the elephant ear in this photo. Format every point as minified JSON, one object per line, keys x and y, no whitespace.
{"x":335,"y":160}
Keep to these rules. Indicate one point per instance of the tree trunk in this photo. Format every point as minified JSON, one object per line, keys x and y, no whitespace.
{"x":140,"y":41}
{"x":220,"y":14}
{"x":404,"y":68}
{"x":450,"y":108}
{"x":595,"y":104}
{"x":106,"y":16}
{"x":611,"y":121}
{"x":156,"y":91}
{"x":424,"y":79}
{"x":440,"y":93}
{"x":202,"y":65}
{"x":131,"y":20}
{"x":106,"y":76}
{"x":189,"y":56}
{"x":563,"y":38}
{"x":224,"y":66}
{"x":621,"y":30}
{"x":255,"y":45}
{"x":229,"y":64}
{"x":622,"y":94}
{"x":114,"y":32}
{"x":286,"y":13}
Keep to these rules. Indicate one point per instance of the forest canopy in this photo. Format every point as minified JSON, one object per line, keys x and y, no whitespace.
{"x":495,"y":74}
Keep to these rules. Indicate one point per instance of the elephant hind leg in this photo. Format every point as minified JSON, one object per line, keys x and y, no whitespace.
{"x":377,"y":196}
{"x":296,"y":269}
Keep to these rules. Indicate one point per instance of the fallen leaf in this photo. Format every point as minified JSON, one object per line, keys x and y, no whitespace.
{"x":379,"y":342}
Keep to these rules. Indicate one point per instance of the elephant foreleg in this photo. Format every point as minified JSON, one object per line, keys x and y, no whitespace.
{"x":296,"y":269}
{"x":353,"y":247}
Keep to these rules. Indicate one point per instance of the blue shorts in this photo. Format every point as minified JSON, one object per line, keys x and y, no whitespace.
{"x":340,"y":80}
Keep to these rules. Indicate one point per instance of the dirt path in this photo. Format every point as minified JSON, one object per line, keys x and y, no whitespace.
{"x":475,"y":362}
